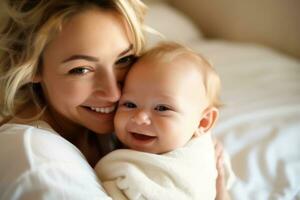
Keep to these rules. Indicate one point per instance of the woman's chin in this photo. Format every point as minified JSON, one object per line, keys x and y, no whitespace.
{"x":100,"y":123}
{"x":102,"y":128}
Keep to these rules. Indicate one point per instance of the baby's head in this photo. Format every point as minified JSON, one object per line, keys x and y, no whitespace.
{"x":170,"y":95}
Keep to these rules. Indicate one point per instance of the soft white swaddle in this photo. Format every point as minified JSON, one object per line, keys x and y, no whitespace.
{"x":185,"y":173}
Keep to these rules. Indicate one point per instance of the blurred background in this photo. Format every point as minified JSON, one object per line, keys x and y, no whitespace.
{"x":255,"y":47}
{"x":275,"y":23}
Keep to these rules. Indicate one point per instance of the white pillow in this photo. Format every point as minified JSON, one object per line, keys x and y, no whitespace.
{"x":171,"y":23}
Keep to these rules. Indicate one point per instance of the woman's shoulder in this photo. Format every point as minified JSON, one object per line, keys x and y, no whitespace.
{"x":36,"y":142}
{"x":28,"y":148}
{"x":33,"y":157}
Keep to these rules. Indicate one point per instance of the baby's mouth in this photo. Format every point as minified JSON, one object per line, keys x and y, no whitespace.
{"x":139,"y":136}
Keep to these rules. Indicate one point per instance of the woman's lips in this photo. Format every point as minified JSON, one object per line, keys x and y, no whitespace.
{"x":93,"y":115}
{"x":104,"y":110}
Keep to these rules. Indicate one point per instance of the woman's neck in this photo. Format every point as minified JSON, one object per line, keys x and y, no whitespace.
{"x":69,"y":130}
{"x":79,"y":136}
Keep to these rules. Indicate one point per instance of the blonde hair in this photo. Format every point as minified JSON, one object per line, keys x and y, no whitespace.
{"x":168,"y":51}
{"x":30,"y":26}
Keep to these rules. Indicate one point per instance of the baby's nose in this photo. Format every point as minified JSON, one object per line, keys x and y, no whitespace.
{"x":141,"y":118}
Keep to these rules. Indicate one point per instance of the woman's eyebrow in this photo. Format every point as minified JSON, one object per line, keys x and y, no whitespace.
{"x":92,"y":58}
{"x":126,"y":50}
{"x":81,"y":57}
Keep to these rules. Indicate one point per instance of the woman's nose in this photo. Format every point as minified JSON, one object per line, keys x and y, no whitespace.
{"x":141,"y":118}
{"x":107,"y":87}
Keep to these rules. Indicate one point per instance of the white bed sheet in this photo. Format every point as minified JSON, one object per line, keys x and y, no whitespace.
{"x":260,"y":121}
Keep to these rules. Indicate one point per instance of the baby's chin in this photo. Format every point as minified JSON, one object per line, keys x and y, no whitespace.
{"x":151,"y":150}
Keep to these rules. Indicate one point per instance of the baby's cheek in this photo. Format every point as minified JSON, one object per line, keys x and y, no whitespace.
{"x":120,"y":121}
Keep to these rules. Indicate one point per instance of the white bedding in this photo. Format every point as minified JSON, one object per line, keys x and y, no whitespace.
{"x":260,"y":121}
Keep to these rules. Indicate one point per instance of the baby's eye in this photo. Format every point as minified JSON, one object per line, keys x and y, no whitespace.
{"x":162,"y":108}
{"x":129,"y":104}
{"x":79,"y":71}
{"x":126,"y":61}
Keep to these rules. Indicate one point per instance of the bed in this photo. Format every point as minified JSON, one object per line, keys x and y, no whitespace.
{"x":260,"y":121}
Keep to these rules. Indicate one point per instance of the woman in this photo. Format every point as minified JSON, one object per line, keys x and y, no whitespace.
{"x":62,"y":67}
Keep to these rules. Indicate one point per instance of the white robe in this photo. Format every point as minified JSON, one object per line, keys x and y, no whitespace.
{"x":37,"y":163}
{"x":187,"y":173}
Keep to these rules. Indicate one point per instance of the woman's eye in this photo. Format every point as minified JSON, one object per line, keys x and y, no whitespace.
{"x":161,"y":108}
{"x":79,"y":71}
{"x":129,"y":105}
{"x":125,"y":61}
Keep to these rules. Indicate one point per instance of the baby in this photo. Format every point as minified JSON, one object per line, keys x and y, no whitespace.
{"x":168,"y":106}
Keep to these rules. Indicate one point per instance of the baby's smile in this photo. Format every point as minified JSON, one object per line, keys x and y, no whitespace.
{"x":142,"y":137}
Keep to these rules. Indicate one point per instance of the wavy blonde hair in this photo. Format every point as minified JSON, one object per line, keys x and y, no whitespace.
{"x":168,"y":51}
{"x":30,"y":26}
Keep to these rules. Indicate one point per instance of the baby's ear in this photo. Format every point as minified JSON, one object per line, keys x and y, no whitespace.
{"x":209,"y":118}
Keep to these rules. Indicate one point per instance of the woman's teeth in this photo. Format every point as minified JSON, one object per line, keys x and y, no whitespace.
{"x":104,"y":110}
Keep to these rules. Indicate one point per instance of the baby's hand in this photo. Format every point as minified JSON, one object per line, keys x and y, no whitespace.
{"x":222,"y":193}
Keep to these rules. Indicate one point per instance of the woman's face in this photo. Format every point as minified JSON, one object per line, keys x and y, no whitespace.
{"x":83,"y":68}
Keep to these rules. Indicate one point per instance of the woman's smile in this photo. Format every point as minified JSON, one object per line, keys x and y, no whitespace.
{"x":106,"y":110}
{"x":100,"y":113}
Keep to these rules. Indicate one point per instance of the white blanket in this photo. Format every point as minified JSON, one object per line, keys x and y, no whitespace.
{"x":187,"y":173}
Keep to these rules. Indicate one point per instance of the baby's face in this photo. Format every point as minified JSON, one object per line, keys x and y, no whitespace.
{"x":161,"y":105}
